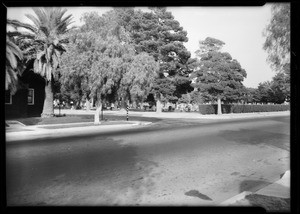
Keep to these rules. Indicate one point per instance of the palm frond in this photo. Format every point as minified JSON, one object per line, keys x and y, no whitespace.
{"x":11,"y":59}
{"x":34,"y":20}
{"x":16,"y":23}
{"x":11,"y":80}
{"x":47,"y":43}
{"x":20,"y":34}
{"x":10,"y":46}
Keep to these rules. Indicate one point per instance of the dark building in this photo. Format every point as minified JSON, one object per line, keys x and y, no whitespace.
{"x":29,"y":99}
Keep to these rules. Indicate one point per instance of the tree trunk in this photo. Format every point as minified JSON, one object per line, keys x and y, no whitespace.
{"x":97,"y":113}
{"x":92,"y":103}
{"x":48,"y":110}
{"x":88,"y":105}
{"x":158,"y":106}
{"x":134,"y":105}
{"x":219,"y":106}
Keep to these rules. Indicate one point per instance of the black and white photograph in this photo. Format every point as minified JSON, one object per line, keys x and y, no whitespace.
{"x":148,"y":106}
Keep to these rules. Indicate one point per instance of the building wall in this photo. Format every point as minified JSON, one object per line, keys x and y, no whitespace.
{"x":37,"y":83}
{"x":18,"y":107}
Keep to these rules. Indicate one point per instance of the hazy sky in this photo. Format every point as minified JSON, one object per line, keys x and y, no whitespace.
{"x":239,"y":27}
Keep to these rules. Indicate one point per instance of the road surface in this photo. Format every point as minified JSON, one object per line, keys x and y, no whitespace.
{"x":171,"y":162}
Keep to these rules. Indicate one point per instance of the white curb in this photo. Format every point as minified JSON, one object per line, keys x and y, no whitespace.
{"x":236,"y":198}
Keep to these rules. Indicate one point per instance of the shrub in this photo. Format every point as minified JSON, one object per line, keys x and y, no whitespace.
{"x":207,"y":109}
{"x":240,"y":108}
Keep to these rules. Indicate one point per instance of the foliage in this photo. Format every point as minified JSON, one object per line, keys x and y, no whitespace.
{"x":75,"y":67}
{"x":230,"y":108}
{"x":103,"y":64}
{"x":161,"y":36}
{"x":208,"y":45}
{"x":277,"y":35}
{"x":217,"y":74}
{"x":193,"y":97}
{"x":281,"y":86}
{"x":13,"y":55}
{"x":140,"y":76}
{"x":47,"y":37}
{"x":275,"y":91}
{"x":252,"y":95}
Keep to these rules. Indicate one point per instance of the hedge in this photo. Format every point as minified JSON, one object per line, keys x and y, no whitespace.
{"x":234,"y":108}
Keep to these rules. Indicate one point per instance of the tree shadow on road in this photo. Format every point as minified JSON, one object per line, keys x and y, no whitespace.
{"x":256,"y":136}
{"x":252,"y":185}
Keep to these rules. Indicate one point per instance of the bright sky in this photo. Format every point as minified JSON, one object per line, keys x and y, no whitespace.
{"x":239,"y":27}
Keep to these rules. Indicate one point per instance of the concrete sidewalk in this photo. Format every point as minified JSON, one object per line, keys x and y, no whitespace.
{"x":191,"y":115}
{"x":279,"y":189}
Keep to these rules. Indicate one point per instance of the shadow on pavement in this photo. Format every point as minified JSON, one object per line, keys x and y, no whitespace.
{"x":252,"y":185}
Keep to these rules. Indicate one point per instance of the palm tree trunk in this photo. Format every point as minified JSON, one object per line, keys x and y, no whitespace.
{"x":48,"y":110}
{"x":219,"y":106}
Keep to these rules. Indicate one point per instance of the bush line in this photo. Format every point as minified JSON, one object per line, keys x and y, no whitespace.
{"x":234,"y":108}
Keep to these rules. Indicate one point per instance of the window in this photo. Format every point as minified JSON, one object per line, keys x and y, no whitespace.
{"x":30,"y":100}
{"x":8,"y":97}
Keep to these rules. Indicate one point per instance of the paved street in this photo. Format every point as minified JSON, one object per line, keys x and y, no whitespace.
{"x":170,"y":162}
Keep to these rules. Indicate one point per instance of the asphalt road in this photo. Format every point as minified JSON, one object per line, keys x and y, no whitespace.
{"x":172,"y":162}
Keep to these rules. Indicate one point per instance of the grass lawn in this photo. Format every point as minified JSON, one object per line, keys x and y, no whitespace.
{"x":79,"y":119}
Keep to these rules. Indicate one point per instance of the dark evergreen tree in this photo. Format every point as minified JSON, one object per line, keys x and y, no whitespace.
{"x":218,"y":76}
{"x":161,"y":36}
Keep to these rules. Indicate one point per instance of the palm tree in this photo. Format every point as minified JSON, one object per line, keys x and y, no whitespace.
{"x":13,"y":53}
{"x":48,"y":36}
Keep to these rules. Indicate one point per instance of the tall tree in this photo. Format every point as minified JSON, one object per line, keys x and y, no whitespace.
{"x":161,"y":36}
{"x":75,"y":67}
{"x":13,"y":55}
{"x":48,"y":36}
{"x":252,"y":95}
{"x":119,"y":73}
{"x":102,"y":51}
{"x":218,"y":76}
{"x":281,"y":87}
{"x":277,"y":35}
{"x":275,"y":91}
{"x":139,"y":78}
{"x":265,"y":92}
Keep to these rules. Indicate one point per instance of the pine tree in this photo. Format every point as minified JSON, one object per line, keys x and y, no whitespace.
{"x":218,"y":77}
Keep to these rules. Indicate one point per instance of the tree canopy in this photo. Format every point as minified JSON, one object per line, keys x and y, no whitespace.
{"x":217,"y":74}
{"x":277,"y":33}
{"x":101,"y":54}
{"x":161,"y":36}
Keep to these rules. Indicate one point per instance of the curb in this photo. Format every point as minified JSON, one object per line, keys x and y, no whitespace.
{"x":14,"y":122}
{"x":236,"y":198}
{"x":40,"y":133}
{"x":195,"y":115}
{"x":242,"y":195}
